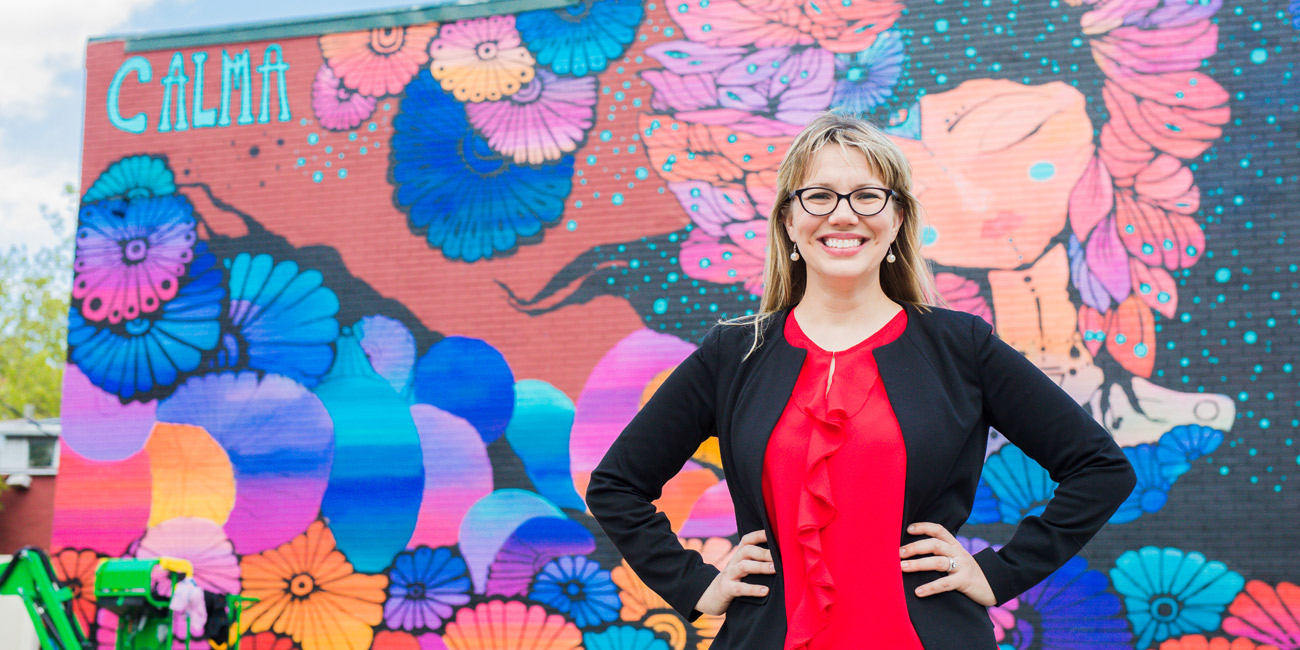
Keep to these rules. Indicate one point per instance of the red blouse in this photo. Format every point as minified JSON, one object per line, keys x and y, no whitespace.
{"x":833,"y":481}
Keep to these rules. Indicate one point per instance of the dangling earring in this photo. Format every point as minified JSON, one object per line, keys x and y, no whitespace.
{"x":890,"y":258}
{"x":794,"y":256}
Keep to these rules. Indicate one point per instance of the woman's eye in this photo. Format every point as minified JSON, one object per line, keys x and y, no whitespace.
{"x":818,"y":196}
{"x":869,"y":195}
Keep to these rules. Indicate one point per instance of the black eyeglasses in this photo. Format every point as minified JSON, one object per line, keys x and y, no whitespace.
{"x":821,"y":201}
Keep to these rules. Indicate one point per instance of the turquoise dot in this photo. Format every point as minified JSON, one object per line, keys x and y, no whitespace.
{"x":343,"y":173}
{"x":1224,"y":470}
{"x":318,"y":177}
{"x":1259,"y":55}
{"x":302,"y":161}
{"x":660,"y":306}
{"x":605,"y":136}
{"x":941,"y":25}
{"x":704,"y":263}
{"x":1120,"y":338}
{"x":571,"y":225}
{"x":1223,"y":275}
{"x":616,"y":199}
{"x":1042,"y":171}
{"x":352,"y":136}
{"x":1263,"y":424}
{"x":591,"y":160}
{"x":642,"y":173}
{"x":372,"y":127}
{"x":1250,"y":337}
{"x":363,"y":151}
{"x":312,"y":138}
{"x":1140,"y":350}
{"x":929,"y":236}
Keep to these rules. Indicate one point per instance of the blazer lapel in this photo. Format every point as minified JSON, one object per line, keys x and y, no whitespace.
{"x":759,"y":405}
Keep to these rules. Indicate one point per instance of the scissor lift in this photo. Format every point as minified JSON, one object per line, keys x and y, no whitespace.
{"x":30,"y":576}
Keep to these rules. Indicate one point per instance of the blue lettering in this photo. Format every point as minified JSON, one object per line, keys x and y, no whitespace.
{"x":174,"y":81}
{"x":282,"y":95}
{"x":144,"y":72}
{"x":236,"y":73}
{"x":203,"y":117}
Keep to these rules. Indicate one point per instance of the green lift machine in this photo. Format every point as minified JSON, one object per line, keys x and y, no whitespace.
{"x":125,"y":587}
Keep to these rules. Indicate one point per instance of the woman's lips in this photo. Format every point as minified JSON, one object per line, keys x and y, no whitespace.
{"x":843,"y":251}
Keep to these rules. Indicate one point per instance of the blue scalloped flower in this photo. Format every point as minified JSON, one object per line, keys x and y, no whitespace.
{"x":472,"y":201}
{"x":578,"y":587}
{"x":1170,"y":592}
{"x":1152,"y":489}
{"x":132,"y":178}
{"x":1295,"y":13}
{"x":1021,"y":486}
{"x":583,"y":37}
{"x":986,"y":507}
{"x":137,"y":357}
{"x":1181,"y":445}
{"x":1070,"y":610}
{"x":424,"y":586}
{"x":865,"y":80}
{"x":624,"y":637}
{"x":283,"y":319}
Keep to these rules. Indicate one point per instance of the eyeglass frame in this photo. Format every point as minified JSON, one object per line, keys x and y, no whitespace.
{"x":798,"y":194}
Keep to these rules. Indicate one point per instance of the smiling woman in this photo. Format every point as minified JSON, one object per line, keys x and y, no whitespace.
{"x":850,"y":364}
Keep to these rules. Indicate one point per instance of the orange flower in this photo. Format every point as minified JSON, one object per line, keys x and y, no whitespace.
{"x":379,"y":61}
{"x":510,"y":624}
{"x":308,"y":591}
{"x":642,"y":605}
{"x":1198,"y":642}
{"x":481,"y":59}
{"x":76,"y":569}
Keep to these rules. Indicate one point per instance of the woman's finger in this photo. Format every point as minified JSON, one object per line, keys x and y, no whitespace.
{"x":736,"y":589}
{"x":754,"y":553}
{"x":924,"y":547}
{"x":933,"y":530}
{"x":754,"y":537}
{"x":747,"y":567}
{"x":936,"y":563}
{"x":946,"y":583}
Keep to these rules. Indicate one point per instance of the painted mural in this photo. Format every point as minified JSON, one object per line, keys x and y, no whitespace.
{"x":356,"y":314}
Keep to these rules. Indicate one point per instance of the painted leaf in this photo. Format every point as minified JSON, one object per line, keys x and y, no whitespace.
{"x":192,"y":475}
{"x":1131,"y":336}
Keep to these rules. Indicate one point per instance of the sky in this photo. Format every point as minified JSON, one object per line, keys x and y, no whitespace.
{"x":43,"y":43}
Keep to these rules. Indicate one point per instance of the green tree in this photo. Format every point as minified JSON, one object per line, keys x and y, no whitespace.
{"x":35,"y":286}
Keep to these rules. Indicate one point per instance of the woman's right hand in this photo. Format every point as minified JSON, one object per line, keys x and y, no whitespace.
{"x":748,"y":558}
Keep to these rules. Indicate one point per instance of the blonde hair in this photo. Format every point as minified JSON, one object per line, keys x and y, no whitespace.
{"x":906,"y":280}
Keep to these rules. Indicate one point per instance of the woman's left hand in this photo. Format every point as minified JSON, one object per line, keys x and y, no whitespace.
{"x":948,"y":556}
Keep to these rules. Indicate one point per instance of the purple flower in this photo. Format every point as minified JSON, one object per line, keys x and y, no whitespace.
{"x":1070,"y":610}
{"x":866,"y":79}
{"x":424,"y":585}
{"x":338,"y":107}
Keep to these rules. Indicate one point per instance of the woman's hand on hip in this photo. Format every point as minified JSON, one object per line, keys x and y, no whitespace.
{"x":748,"y":558}
{"x":947,"y":556}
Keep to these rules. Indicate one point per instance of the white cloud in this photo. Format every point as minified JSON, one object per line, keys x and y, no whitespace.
{"x":43,"y":40}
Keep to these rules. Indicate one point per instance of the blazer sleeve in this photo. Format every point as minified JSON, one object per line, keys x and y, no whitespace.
{"x":651,"y":450}
{"x":1040,"y":418}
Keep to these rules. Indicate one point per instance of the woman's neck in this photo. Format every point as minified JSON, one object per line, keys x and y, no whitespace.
{"x":849,"y":306}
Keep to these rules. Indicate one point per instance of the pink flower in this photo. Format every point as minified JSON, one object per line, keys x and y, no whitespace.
{"x":546,"y":119}
{"x":379,"y":61}
{"x":337,"y":107}
{"x":843,"y":28}
{"x":481,"y":59}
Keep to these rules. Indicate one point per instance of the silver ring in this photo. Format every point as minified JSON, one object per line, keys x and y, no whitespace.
{"x":952,"y":564}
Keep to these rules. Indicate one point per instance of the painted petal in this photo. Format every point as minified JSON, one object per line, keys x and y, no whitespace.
{"x":192,"y":475}
{"x":457,"y":474}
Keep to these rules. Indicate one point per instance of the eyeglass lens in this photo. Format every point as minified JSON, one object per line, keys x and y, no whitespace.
{"x":821,"y":202}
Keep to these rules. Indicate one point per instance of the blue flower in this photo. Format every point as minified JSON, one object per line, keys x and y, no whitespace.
{"x":1022,"y":486}
{"x":985,"y":510}
{"x":423,"y":587}
{"x":1071,"y":610}
{"x":283,"y":317}
{"x":582,"y":37}
{"x":624,"y":637}
{"x":139,"y":356}
{"x":472,"y":201}
{"x":1152,"y":489}
{"x":866,"y":79}
{"x":1183,"y":444}
{"x":1295,"y":13}
{"x":578,"y":587}
{"x":132,"y":178}
{"x":1169,"y":592}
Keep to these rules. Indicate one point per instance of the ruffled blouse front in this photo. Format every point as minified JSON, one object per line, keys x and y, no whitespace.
{"x":833,"y":479}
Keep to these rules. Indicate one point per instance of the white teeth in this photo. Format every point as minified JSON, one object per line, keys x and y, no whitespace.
{"x":843,"y":243}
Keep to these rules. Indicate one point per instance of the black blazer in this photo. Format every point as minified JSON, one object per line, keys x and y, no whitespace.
{"x":949,"y":378}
